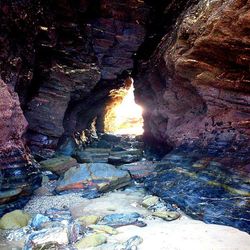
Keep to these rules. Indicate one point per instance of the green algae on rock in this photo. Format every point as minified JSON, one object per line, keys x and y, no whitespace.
{"x":59,"y":165}
{"x":15,"y":219}
{"x":91,"y":241}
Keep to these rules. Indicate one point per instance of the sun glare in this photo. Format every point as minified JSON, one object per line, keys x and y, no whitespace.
{"x":128,"y":115}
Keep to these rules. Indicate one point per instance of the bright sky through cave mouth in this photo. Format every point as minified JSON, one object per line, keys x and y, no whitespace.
{"x":129,"y":115}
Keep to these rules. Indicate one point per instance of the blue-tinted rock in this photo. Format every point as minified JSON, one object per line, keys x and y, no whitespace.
{"x":38,"y":220}
{"x":117,"y":220}
{"x":208,"y":186}
{"x":103,"y":176}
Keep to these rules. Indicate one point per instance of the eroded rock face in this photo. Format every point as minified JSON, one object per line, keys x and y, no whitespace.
{"x":196,"y":86}
{"x":18,"y":176}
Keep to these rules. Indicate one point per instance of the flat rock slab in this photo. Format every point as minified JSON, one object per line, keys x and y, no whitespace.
{"x":102,"y":176}
{"x":140,"y":169}
{"x":59,"y":165}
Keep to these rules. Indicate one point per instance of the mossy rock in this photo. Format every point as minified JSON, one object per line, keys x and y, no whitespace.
{"x":88,"y":219}
{"x":93,"y":240}
{"x":14,"y":220}
{"x":59,"y":165}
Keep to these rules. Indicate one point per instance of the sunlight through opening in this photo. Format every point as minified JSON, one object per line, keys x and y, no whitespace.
{"x":124,"y":116}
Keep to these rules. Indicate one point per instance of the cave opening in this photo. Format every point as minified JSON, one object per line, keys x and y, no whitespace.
{"x":122,"y":114}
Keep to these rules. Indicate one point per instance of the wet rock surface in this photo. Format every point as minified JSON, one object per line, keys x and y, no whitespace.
{"x":61,"y":228}
{"x":204,"y":185}
{"x":104,"y":177}
{"x":59,"y":165}
{"x":19,"y":175}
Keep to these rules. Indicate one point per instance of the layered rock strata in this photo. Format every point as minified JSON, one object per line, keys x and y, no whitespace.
{"x":196,"y":85}
{"x":18,"y":175}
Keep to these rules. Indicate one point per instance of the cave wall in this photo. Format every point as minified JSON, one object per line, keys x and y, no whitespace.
{"x":19,"y":176}
{"x":64,"y":57}
{"x":196,"y":86}
{"x":189,"y":60}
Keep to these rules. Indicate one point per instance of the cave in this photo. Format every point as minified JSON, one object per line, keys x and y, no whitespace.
{"x":124,"y":113}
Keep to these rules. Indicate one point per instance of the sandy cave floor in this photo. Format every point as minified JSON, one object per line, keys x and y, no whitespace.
{"x":181,"y":234}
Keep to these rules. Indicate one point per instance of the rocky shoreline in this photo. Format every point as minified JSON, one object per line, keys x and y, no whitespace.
{"x":89,"y":203}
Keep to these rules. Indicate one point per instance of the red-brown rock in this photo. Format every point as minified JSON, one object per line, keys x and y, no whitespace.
{"x":18,"y":177}
{"x":196,"y":86}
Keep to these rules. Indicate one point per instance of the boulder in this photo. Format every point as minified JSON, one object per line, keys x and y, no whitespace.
{"x":15,"y":219}
{"x":50,"y":238}
{"x":104,"y":177}
{"x":59,"y":165}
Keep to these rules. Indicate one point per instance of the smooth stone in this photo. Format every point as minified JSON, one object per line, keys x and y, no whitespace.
{"x":88,"y":220}
{"x":150,"y":201}
{"x":47,"y":239}
{"x":38,"y":220}
{"x":103,"y":229}
{"x":93,"y":240}
{"x":167,"y":215}
{"x":117,"y":220}
{"x":14,"y":220}
{"x":133,"y":242}
{"x":59,"y":165}
{"x":6,"y":196}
